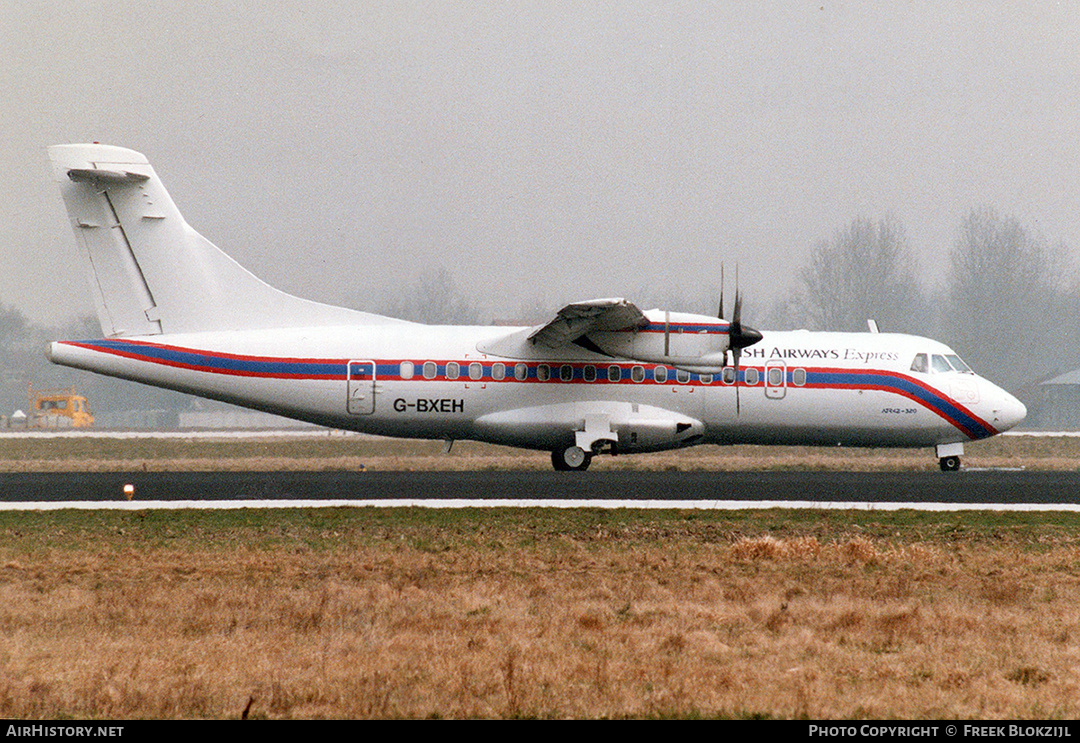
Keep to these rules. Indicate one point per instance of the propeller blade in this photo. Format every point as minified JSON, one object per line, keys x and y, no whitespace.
{"x":720,"y":312}
{"x":736,"y":312}
{"x":736,"y":353}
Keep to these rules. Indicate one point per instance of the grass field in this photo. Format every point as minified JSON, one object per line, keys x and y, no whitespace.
{"x":459,"y":614}
{"x":357,"y":613}
{"x":339,"y":451}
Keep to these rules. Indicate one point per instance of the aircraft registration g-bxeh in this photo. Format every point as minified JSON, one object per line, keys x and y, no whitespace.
{"x":602,"y":377}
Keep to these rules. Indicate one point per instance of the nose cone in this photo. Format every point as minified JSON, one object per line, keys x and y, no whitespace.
{"x":1008,"y":412}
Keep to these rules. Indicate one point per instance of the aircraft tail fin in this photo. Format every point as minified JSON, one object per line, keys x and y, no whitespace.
{"x":150,"y":272}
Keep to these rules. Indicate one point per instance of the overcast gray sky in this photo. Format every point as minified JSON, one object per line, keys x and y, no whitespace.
{"x":540,"y":150}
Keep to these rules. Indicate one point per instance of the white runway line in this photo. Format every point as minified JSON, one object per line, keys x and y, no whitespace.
{"x":682,"y":505}
{"x":68,"y":433}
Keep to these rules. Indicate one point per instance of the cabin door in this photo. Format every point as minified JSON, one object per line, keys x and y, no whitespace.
{"x":775,"y":379}
{"x":361,"y":384}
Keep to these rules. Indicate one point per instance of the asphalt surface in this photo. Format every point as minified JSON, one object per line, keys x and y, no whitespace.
{"x":985,"y":486}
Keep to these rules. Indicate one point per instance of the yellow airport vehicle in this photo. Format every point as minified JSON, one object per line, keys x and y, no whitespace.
{"x":59,"y":409}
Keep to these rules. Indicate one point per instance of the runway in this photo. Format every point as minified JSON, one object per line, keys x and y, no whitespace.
{"x":986,"y":489}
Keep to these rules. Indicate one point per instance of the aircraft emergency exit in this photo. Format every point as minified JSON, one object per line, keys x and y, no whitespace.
{"x":602,"y":377}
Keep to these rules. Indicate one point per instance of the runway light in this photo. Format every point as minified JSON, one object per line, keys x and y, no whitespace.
{"x":129,"y":491}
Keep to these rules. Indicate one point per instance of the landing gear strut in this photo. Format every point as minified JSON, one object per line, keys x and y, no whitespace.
{"x":949,"y":464}
{"x":572,"y":458}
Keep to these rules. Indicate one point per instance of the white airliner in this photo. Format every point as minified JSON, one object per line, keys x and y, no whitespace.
{"x":602,"y":377}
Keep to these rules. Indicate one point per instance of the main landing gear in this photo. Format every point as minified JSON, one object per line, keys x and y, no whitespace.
{"x":572,"y":458}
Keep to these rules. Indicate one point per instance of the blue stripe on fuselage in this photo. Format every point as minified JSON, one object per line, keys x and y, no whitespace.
{"x":234,"y":364}
{"x":221,"y":364}
{"x":908,"y":387}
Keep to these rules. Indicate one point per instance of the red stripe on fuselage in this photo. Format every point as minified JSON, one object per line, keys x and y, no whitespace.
{"x":116,"y":347}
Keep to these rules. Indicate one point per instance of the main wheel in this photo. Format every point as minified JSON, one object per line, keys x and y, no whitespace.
{"x":572,"y":458}
{"x":949,"y":464}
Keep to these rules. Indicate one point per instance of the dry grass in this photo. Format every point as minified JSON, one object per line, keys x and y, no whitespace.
{"x":350,"y":452}
{"x":371,"y":613}
{"x":363,"y":613}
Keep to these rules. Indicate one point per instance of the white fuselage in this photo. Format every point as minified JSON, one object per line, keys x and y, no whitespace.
{"x":422,"y":381}
{"x":602,"y":376}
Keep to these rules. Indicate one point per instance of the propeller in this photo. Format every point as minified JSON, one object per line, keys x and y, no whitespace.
{"x":739,"y":336}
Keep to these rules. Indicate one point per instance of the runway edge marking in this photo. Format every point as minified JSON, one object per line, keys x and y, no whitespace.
{"x":678,"y":505}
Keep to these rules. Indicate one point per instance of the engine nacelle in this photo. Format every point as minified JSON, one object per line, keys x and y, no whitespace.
{"x":676,"y":338}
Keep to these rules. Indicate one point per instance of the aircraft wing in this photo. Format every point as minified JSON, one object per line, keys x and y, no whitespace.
{"x":577,"y":319}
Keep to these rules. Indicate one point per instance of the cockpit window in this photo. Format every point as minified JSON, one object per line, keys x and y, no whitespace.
{"x":919,"y":364}
{"x":939,"y":363}
{"x":958,"y":363}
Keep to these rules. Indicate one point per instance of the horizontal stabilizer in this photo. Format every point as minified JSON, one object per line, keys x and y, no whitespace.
{"x":100,"y":175}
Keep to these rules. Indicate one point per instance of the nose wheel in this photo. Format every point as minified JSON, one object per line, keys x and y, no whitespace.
{"x":949,"y":464}
{"x":949,"y":456}
{"x":571,"y":459}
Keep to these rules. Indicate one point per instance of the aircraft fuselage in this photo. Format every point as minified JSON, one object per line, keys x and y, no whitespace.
{"x":416,"y":381}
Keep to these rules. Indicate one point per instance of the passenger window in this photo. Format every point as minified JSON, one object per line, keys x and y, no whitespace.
{"x":521,"y":372}
{"x":543,"y":372}
{"x":566,"y":373}
{"x":476,"y":371}
{"x":614,"y":373}
{"x":919,"y":364}
{"x":776,"y":376}
{"x":430,"y":370}
{"x":939,"y":364}
{"x":798,"y":377}
{"x":589,"y":373}
{"x":498,"y":371}
{"x":705,"y":379}
{"x":637,"y":374}
{"x":407,"y":370}
{"x":750,"y":376}
{"x":660,"y":374}
{"x":682,"y":375}
{"x":453,"y":370}
{"x":728,"y":375}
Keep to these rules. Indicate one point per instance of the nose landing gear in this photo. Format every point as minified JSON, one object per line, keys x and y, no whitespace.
{"x":949,"y":456}
{"x":949,"y":464}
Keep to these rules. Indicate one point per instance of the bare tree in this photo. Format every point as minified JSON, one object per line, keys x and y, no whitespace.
{"x":434,"y":300}
{"x":865,"y":271}
{"x":1010,"y":307}
{"x":23,"y":363}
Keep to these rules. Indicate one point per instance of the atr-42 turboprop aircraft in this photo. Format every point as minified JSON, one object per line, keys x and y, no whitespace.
{"x":602,"y":377}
